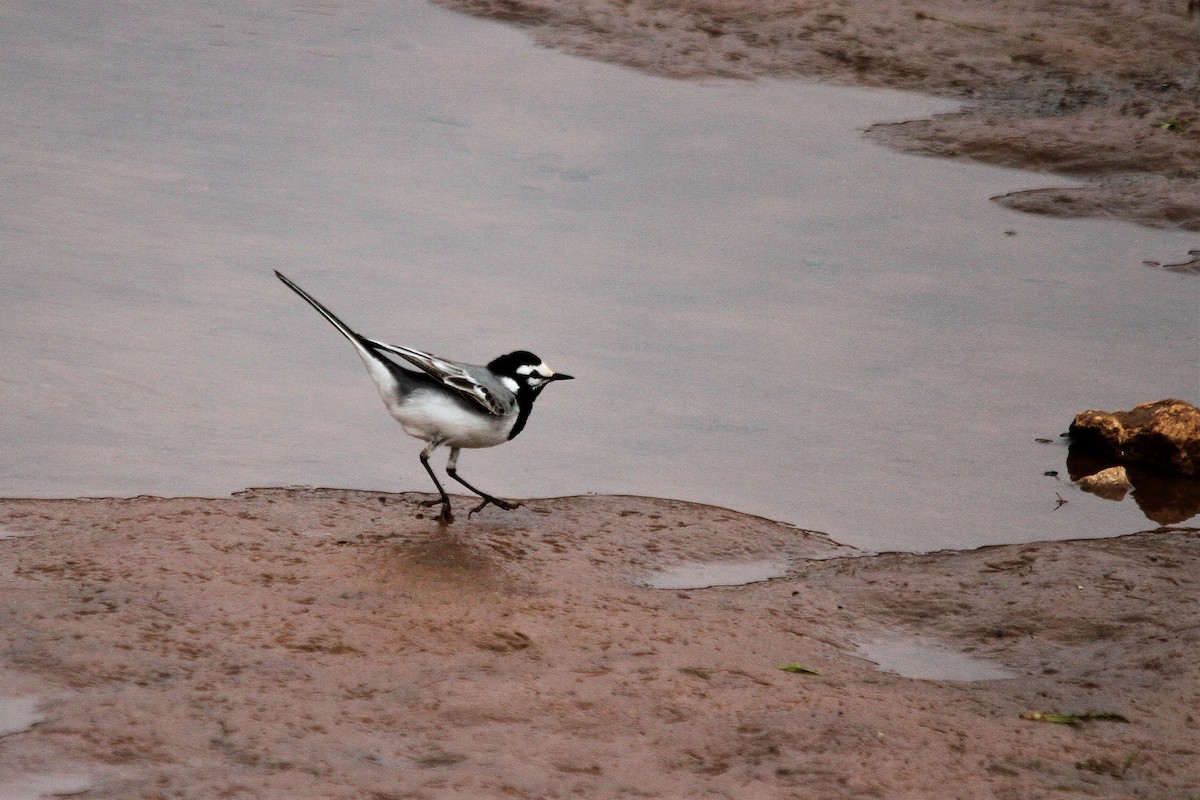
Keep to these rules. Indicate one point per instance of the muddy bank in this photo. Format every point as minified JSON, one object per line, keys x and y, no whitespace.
{"x":288,"y":643}
{"x":1107,"y":92}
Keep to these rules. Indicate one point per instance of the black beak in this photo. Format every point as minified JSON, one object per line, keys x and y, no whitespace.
{"x":561,"y":376}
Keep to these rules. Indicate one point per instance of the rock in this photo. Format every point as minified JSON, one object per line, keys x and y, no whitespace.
{"x":1165,"y":433}
{"x":1111,"y":483}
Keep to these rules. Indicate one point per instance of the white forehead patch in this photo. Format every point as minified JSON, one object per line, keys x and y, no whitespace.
{"x":540,"y":369}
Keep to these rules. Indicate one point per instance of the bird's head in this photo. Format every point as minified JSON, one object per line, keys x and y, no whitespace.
{"x":526,"y":370}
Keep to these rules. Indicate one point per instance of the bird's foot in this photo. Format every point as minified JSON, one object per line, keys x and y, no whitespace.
{"x":488,"y":500}
{"x":446,"y":516}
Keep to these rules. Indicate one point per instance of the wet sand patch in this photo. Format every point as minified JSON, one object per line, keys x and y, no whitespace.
{"x":517,"y":654}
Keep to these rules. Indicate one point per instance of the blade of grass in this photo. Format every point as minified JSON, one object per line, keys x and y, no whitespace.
{"x":797,"y":669}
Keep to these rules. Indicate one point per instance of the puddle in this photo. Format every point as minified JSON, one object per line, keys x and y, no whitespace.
{"x":7,"y":533}
{"x":18,"y":714}
{"x":313,"y":533}
{"x":913,"y":658}
{"x":707,"y":574}
{"x":36,"y":787}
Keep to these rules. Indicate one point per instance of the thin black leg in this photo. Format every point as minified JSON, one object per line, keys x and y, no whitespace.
{"x":447,"y":516}
{"x":452,"y":471}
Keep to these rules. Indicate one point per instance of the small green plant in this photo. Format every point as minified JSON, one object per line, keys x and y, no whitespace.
{"x":1173,"y":124}
{"x":797,"y":669}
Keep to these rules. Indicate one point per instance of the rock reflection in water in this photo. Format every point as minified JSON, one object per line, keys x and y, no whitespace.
{"x":1164,"y":498}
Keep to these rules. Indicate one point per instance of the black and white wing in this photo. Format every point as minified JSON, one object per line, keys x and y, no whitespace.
{"x":494,"y":399}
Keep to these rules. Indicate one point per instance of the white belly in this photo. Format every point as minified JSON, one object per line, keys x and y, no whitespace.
{"x":430,"y":416}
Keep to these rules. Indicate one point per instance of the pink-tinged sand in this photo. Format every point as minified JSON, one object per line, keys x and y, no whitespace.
{"x":291,"y":643}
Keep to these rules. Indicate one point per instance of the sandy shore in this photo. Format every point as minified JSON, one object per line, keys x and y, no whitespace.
{"x":322,"y":643}
{"x":1105,"y":92}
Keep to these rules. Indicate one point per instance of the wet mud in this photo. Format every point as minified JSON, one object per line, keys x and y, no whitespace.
{"x":303,"y":643}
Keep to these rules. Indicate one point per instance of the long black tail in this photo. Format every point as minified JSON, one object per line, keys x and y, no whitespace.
{"x":392,"y":381}
{"x":325,"y":312}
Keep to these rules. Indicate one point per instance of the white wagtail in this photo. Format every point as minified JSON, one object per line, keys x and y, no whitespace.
{"x":450,"y":403}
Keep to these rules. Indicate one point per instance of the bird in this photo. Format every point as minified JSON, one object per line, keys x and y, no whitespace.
{"x":450,"y":403}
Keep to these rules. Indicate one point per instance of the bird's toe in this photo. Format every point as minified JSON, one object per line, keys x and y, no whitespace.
{"x":507,"y":505}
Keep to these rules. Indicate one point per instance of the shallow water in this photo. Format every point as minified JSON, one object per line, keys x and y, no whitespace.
{"x":707,"y":574}
{"x":38,"y":787}
{"x":18,"y":714}
{"x":914,"y":658}
{"x":764,"y":311}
